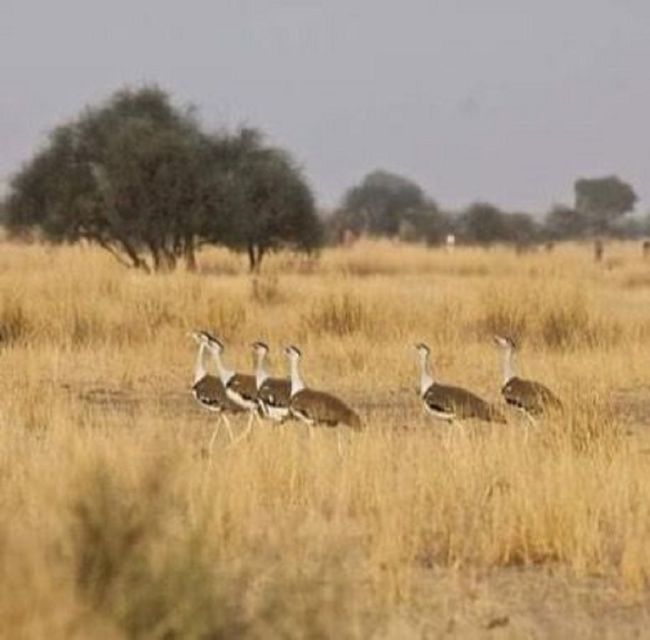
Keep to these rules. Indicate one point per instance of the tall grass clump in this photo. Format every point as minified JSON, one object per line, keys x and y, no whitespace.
{"x":504,"y":313}
{"x":551,"y":315}
{"x":141,"y":563}
{"x":137,"y":565}
{"x":266,"y":290}
{"x":571,"y":322}
{"x":227,"y":318}
{"x":338,"y":315}
{"x":15,"y":324}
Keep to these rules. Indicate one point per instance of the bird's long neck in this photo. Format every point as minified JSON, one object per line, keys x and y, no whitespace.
{"x":224,"y":374}
{"x":296,"y":381}
{"x":260,"y":372}
{"x":508,"y":364}
{"x":199,"y":366}
{"x":426,"y":379}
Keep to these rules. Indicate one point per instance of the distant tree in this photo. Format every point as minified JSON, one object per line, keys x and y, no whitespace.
{"x":565,"y":223}
{"x":426,"y":224}
{"x":631,"y":227}
{"x":379,"y":203}
{"x":603,"y":200}
{"x":270,"y":204}
{"x":521,"y":228}
{"x":139,"y":178}
{"x":483,"y":223}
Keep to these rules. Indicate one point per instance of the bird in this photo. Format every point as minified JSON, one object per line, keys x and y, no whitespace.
{"x":240,"y":388}
{"x":273,"y":394}
{"x":315,"y":407}
{"x":209,"y":392}
{"x":531,"y":397}
{"x":451,"y":403}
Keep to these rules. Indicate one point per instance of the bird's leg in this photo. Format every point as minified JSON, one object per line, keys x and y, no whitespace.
{"x":531,"y":420}
{"x":447,"y":438}
{"x":461,"y":428}
{"x":245,"y":432}
{"x":338,"y":444}
{"x":530,"y":423}
{"x":215,"y":433}
{"x":457,"y":424}
{"x":249,"y":425}
{"x":212,"y":439}
{"x":228,"y":427}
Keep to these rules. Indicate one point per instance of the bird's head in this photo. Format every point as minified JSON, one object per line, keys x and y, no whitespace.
{"x":260,"y":348}
{"x":293,"y":353}
{"x":212,"y":343}
{"x":505,"y":342}
{"x":422,"y":348}
{"x":200,"y":337}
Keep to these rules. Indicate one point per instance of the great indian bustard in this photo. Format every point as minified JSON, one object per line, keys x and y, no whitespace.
{"x":451,"y":403}
{"x":208,"y":390}
{"x":240,"y":388}
{"x":533,"y":398}
{"x":317,"y":407}
{"x":273,"y":394}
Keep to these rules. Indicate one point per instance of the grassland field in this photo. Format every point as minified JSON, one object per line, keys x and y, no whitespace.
{"x":115,"y":522}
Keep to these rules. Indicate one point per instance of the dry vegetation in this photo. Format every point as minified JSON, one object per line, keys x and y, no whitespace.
{"x":114,"y":523}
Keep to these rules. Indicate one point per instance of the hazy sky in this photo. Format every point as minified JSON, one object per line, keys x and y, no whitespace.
{"x":502,"y":100}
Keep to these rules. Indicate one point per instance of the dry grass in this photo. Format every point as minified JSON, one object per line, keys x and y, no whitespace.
{"x":114,"y":523}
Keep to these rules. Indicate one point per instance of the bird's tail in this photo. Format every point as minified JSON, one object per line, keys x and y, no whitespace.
{"x":496,"y":415}
{"x":354,"y":421}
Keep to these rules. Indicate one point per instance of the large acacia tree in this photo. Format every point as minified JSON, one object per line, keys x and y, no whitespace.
{"x":139,"y":177}
{"x":269,"y":203}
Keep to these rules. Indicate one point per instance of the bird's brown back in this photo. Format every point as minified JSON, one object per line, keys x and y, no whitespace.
{"x":324,"y":408}
{"x":529,"y":395}
{"x":461,"y":403}
{"x":209,"y":390}
{"x":244,"y":385}
{"x":275,"y":392}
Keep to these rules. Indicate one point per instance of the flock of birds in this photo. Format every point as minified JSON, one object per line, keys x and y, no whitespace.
{"x":262,"y":396}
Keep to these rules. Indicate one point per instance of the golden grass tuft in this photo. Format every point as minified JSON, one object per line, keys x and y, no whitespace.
{"x":335,"y":315}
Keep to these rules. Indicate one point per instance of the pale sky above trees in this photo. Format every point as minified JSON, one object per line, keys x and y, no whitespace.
{"x":507,"y":101}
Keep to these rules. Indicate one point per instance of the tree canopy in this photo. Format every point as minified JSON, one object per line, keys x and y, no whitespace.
{"x":483,"y":223}
{"x":379,"y":203}
{"x":137,"y":176}
{"x":270,"y":203}
{"x":603,"y":200}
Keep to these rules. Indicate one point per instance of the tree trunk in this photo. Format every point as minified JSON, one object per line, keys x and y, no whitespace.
{"x":190,"y":255}
{"x":255,"y":255}
{"x":137,"y":261}
{"x":252,"y":258}
{"x":155,"y":255}
{"x":260,"y":254}
{"x":165,"y":260}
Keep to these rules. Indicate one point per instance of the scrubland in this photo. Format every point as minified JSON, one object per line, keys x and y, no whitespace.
{"x":115,"y":522}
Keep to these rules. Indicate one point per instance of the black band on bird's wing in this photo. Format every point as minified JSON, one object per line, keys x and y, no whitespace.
{"x":515,"y":403}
